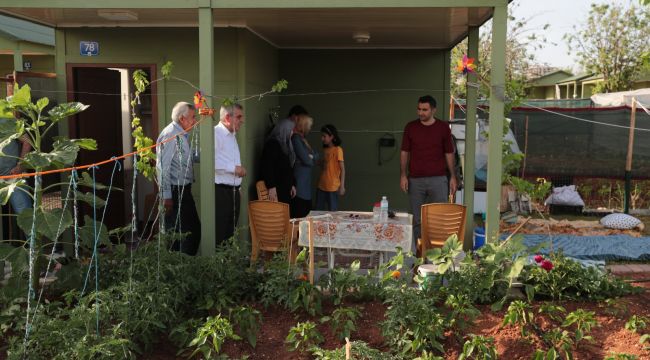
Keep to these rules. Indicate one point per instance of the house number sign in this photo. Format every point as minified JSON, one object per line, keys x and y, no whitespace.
{"x":88,"y":48}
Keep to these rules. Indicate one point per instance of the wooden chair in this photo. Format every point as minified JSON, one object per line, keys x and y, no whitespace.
{"x":439,"y":221}
{"x":271,"y":229}
{"x":262,"y":191}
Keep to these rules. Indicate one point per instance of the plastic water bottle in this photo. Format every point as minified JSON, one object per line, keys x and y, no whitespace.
{"x":376,"y":212}
{"x":383,"y":214}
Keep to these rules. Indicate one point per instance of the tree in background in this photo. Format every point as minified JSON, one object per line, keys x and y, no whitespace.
{"x":521,"y":42}
{"x":613,"y":42}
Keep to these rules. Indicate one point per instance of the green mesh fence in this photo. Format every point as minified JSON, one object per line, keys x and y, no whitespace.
{"x":562,"y":146}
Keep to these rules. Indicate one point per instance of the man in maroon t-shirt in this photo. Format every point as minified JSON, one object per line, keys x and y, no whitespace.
{"x":428,"y":151}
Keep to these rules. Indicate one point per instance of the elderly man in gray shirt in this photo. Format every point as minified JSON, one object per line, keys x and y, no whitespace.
{"x":174,"y":160}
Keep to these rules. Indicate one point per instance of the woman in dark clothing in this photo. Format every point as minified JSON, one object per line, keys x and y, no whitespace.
{"x":277,"y":169}
{"x":305,"y":159}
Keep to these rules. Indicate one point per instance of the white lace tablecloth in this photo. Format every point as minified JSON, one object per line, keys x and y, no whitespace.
{"x":358,"y":230}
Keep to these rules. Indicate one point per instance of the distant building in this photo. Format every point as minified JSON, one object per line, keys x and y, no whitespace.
{"x":538,"y":70}
{"x":24,"y":46}
{"x":544,"y":87}
{"x":561,"y":84}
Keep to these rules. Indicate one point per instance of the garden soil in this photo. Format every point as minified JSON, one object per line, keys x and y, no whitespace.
{"x":567,"y":227}
{"x":609,"y":337}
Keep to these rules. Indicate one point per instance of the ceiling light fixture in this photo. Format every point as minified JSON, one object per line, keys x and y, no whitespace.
{"x":118,"y":15}
{"x":361,"y":37}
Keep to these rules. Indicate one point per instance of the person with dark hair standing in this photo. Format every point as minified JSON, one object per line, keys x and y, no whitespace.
{"x":174,"y":161}
{"x":277,"y":171}
{"x":332,"y":177}
{"x":427,"y":153}
{"x":288,"y":124}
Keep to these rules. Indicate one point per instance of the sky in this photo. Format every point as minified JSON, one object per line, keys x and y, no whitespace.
{"x":561,"y":15}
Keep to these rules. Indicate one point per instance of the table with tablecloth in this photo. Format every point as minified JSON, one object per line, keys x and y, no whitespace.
{"x":357,"y":231}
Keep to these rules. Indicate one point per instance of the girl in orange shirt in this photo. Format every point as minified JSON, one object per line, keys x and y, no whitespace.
{"x":332,"y":176}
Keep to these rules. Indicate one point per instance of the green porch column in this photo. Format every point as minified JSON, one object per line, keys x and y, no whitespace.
{"x":497,"y":98}
{"x":206,"y":136}
{"x":470,"y":140}
{"x":18,"y":58}
{"x":63,"y":126}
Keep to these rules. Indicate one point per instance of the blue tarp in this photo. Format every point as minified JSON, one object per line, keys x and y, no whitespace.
{"x":611,"y":247}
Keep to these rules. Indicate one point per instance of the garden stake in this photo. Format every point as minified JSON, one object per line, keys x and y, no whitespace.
{"x":628,"y":159}
{"x":517,"y":229}
{"x":311,"y":251}
{"x":348,"y":348}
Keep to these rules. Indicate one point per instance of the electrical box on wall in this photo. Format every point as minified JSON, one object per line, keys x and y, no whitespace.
{"x":386,"y":142}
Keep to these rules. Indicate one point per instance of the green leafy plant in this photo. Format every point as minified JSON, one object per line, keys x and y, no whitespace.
{"x":29,"y":121}
{"x":491,"y":274}
{"x":571,"y":280}
{"x":303,"y":337}
{"x":645,"y":338}
{"x":537,"y":191}
{"x":479,"y":348}
{"x":146,"y":156}
{"x":307,"y":297}
{"x":462,"y":313}
{"x":519,"y":314}
{"x":637,"y":323}
{"x":359,"y":350}
{"x":550,"y":354}
{"x":554,"y":312}
{"x":561,"y":341}
{"x":583,"y":321}
{"x":412,"y":321}
{"x":343,"y":283}
{"x":616,"y":307}
{"x":247,"y":320}
{"x":183,"y":333}
{"x":279,"y":280}
{"x":342,"y":321}
{"x":211,"y":336}
{"x":620,"y":356}
{"x":444,"y":257}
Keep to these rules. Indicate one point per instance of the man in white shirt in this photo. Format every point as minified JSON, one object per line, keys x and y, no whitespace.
{"x":228,"y":172}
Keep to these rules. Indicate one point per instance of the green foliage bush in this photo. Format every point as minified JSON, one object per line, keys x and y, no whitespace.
{"x":571,"y":280}
{"x":359,"y":351}
{"x":303,"y":336}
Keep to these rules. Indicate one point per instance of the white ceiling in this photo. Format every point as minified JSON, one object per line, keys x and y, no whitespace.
{"x":439,"y":28}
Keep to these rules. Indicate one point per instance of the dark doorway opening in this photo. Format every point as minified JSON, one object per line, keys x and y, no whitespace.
{"x":108,"y":89}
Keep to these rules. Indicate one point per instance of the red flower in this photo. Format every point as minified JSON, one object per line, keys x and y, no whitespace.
{"x":546,"y":265}
{"x":538,"y":258}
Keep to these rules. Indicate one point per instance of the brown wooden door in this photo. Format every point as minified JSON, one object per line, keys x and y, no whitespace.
{"x":102,"y":121}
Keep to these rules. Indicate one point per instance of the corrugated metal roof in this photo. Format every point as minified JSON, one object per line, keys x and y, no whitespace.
{"x":21,"y":30}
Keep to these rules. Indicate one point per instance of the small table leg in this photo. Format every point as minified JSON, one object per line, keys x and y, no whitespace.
{"x":330,"y":256}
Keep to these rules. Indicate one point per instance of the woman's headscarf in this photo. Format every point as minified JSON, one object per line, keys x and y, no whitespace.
{"x":282,"y":134}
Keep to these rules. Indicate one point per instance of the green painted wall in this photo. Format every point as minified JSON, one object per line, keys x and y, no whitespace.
{"x":257,"y":73}
{"x":380,"y":111}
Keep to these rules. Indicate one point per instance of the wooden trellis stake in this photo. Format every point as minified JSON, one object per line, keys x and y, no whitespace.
{"x":311,"y":250}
